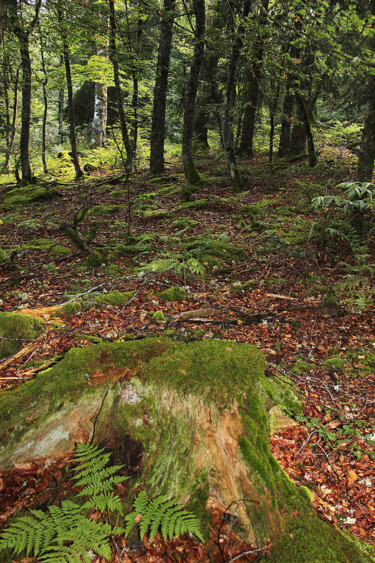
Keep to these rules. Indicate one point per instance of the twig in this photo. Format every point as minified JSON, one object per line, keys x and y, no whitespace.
{"x":250,"y":552}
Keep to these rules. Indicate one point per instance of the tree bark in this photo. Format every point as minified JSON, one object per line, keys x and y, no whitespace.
{"x":157,"y":165}
{"x":366,"y":157}
{"x":22,"y":33}
{"x":255,"y":74}
{"x":120,"y":102}
{"x":99,"y":121}
{"x":284,"y":142}
{"x":45,"y":101}
{"x":306,"y":122}
{"x":69,"y":87}
{"x":227,"y":121}
{"x":191,"y":174}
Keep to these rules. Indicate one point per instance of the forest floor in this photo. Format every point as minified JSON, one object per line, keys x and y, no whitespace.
{"x":256,"y":266}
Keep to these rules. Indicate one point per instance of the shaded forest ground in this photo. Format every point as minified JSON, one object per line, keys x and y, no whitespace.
{"x":256,"y":266}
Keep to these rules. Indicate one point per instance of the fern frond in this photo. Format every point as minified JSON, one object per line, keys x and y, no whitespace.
{"x":102,"y":502}
{"x":163,"y":513}
{"x":97,"y":487}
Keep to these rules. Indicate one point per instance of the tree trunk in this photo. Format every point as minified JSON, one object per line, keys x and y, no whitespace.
{"x":298,"y":135}
{"x":190,"y":170}
{"x":284,"y":142}
{"x":227,"y":121}
{"x":248,"y":124}
{"x":72,"y":127}
{"x":309,"y":135}
{"x":12,"y":124}
{"x":366,"y":157}
{"x":120,"y":102}
{"x":99,"y":121}
{"x":273,"y":110}
{"x":26,"y":107}
{"x":22,"y":33}
{"x":157,"y":166}
{"x":45,"y":101}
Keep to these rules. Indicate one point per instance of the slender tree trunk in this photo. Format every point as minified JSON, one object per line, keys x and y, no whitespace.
{"x":190,"y":170}
{"x":284,"y":142}
{"x":273,"y":110}
{"x":248,"y":124}
{"x":45,"y":101}
{"x":72,"y":127}
{"x":26,"y":107}
{"x":116,"y":75}
{"x":227,"y":121}
{"x":22,"y":33}
{"x":310,"y":140}
{"x":366,"y":157}
{"x":160,"y":90}
{"x":99,"y":122}
{"x":61,"y":114}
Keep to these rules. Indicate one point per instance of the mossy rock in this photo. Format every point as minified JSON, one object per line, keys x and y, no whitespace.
{"x":197,"y":204}
{"x":115,"y":298}
{"x":203,"y":247}
{"x":27,"y":194}
{"x":15,"y":330}
{"x":196,"y":415}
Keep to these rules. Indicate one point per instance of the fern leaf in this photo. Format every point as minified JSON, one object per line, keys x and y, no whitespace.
{"x":140,"y":502}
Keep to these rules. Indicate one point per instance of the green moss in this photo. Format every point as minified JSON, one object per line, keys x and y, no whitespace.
{"x":174,"y":293}
{"x":260,"y":208}
{"x":301,"y":366}
{"x":95,"y":259}
{"x":218,"y":370}
{"x":59,"y":250}
{"x":158,"y":316}
{"x":170,"y":189}
{"x":334,"y":364}
{"x":102,"y":210}
{"x":27,"y":194}
{"x":18,"y":329}
{"x":307,"y":538}
{"x":115,"y":298}
{"x":152,"y":213}
{"x":204,"y":247}
{"x":71,"y":309}
{"x":197,"y":204}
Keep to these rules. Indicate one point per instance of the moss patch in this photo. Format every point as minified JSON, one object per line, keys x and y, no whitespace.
{"x":115,"y":298}
{"x":18,"y":329}
{"x":175,"y":293}
{"x":27,"y":194}
{"x":307,"y":538}
{"x":102,"y":210}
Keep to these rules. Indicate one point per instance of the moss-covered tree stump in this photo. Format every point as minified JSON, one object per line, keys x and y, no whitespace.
{"x":193,"y":419}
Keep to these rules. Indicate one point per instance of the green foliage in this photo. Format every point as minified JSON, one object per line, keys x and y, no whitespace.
{"x":65,"y":533}
{"x":161,"y":513}
{"x":343,"y":215}
{"x":115,"y":298}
